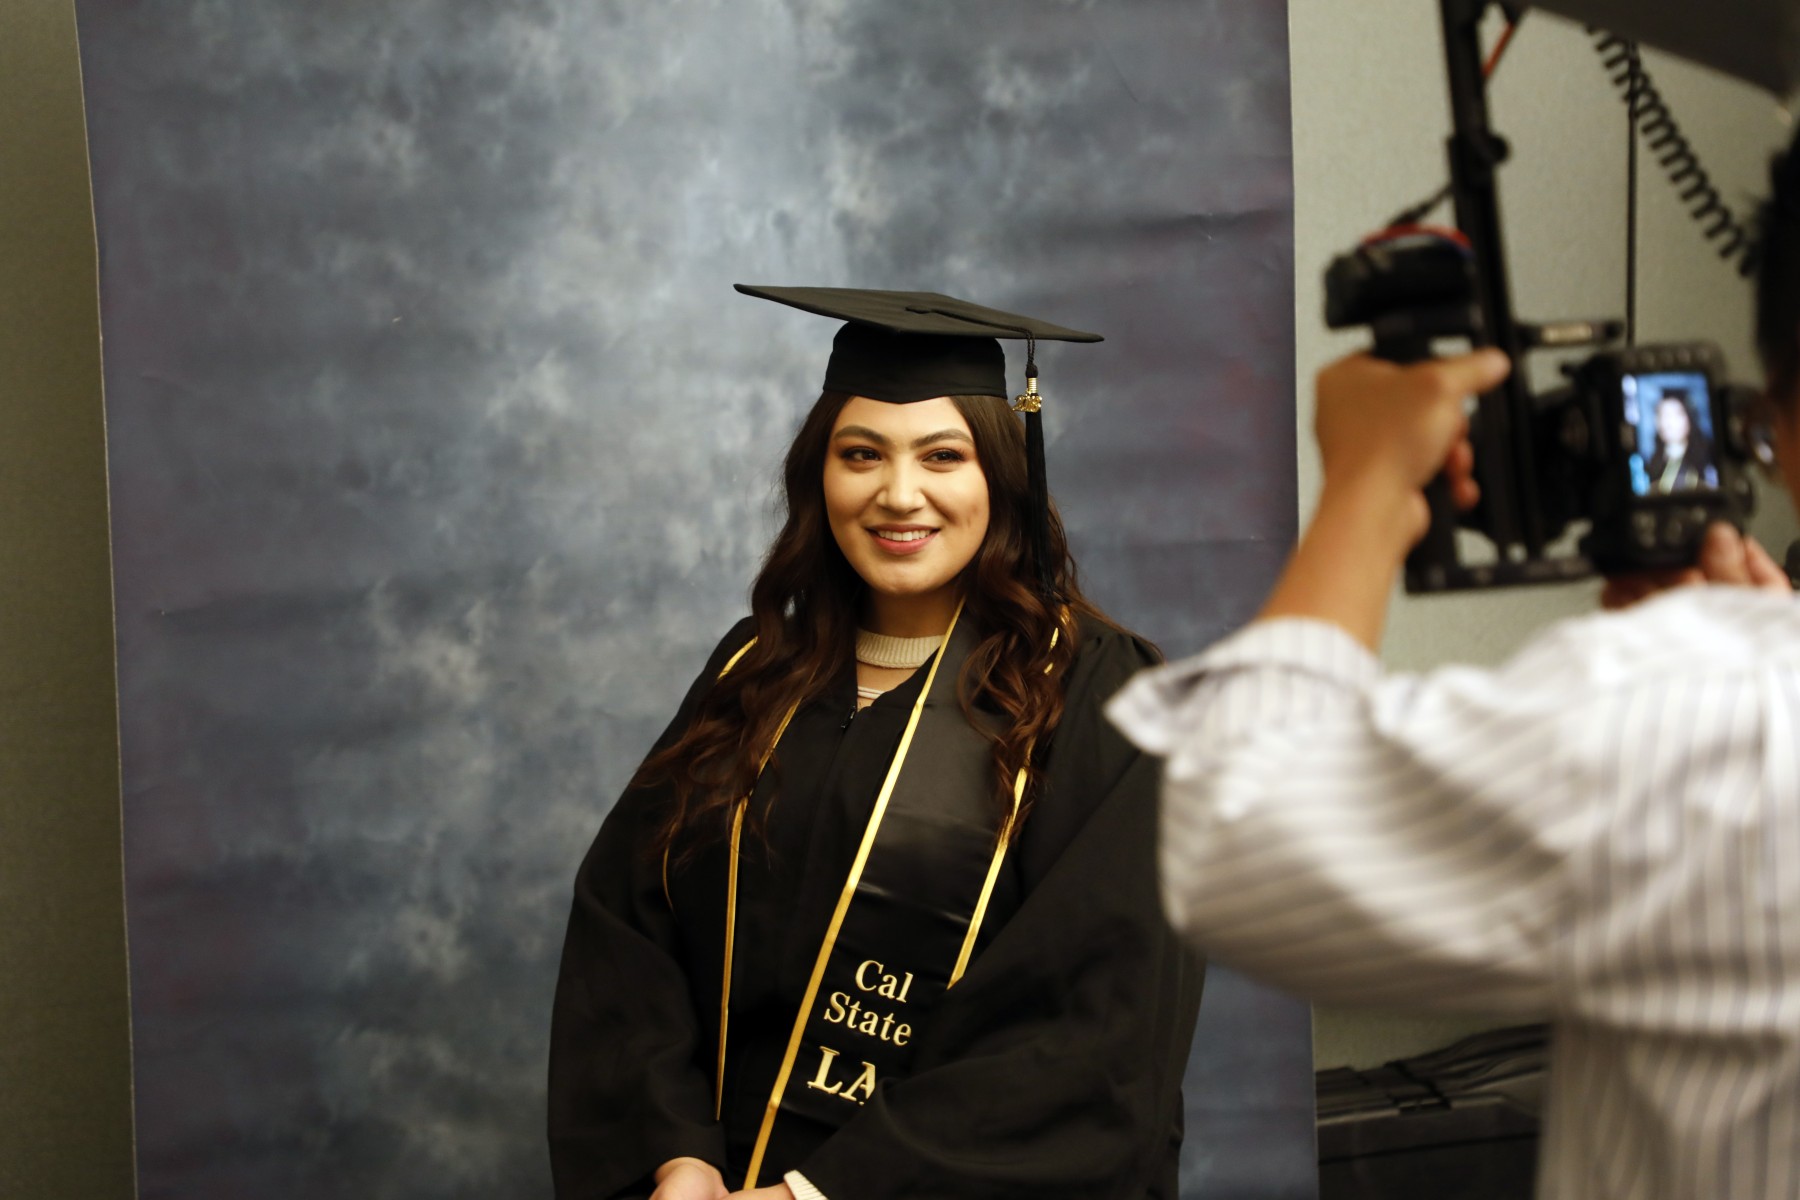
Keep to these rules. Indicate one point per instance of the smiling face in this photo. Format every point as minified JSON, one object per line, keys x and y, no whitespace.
{"x":1672,"y":423}
{"x":908,"y":506}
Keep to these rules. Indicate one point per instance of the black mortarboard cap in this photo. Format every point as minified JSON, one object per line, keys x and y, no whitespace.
{"x":903,"y":347}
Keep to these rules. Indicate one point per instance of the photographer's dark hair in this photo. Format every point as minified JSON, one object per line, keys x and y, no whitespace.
{"x":806,"y":602}
{"x":1778,"y":280}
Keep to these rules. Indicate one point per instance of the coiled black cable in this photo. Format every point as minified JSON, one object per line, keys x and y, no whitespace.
{"x":1734,"y":239}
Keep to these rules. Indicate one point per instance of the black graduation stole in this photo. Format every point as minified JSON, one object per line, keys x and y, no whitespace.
{"x":907,"y":918}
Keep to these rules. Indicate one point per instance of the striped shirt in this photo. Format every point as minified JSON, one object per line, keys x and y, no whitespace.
{"x":1603,"y":833}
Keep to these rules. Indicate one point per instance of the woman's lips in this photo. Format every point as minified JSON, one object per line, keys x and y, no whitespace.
{"x":902,"y":542}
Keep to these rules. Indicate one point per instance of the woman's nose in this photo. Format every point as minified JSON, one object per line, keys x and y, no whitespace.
{"x":902,"y":490}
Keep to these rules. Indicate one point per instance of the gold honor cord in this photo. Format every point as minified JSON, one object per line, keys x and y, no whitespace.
{"x":737,"y":837}
{"x":723,"y":671}
{"x":843,"y":905}
{"x":993,"y":877}
{"x":737,"y":833}
{"x":1006,"y":830}
{"x":731,"y":884}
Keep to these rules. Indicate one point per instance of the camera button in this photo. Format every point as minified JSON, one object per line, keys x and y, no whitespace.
{"x":1676,"y":529}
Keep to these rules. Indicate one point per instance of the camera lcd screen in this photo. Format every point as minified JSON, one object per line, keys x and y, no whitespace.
{"x":1672,"y":413}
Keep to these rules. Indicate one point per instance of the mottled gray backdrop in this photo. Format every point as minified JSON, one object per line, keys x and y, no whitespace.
{"x":442,"y":451}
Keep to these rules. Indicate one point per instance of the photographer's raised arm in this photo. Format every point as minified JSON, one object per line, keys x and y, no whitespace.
{"x":1332,"y":830}
{"x":1384,"y":431}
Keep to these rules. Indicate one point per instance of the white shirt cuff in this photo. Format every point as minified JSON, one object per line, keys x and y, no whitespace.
{"x":802,"y":1187}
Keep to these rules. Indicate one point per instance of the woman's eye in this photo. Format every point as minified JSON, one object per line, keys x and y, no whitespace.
{"x":857,"y":454}
{"x":946,"y":456}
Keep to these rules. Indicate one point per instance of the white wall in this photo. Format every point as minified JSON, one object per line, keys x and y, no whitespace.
{"x":1370,"y":117}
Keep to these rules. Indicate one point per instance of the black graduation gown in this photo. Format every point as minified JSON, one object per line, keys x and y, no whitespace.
{"x":1052,"y":1068}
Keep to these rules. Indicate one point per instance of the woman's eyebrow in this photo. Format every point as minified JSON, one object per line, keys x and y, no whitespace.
{"x":864,"y":433}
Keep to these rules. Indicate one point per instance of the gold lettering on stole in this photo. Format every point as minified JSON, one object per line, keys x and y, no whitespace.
{"x":890,"y":987}
{"x":872,"y":976}
{"x":826,"y":1056}
{"x":860,"y":1089}
{"x":864,"y":1082}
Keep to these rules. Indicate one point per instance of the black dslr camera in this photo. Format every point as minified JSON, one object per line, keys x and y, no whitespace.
{"x":1647,"y":445}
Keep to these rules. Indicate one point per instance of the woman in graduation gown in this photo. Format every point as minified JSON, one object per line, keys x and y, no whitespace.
{"x":878,"y":916}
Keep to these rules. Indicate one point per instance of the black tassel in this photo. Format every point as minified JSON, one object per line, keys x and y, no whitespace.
{"x":1034,"y":457}
{"x":1040,"y":503}
{"x":1030,"y":403}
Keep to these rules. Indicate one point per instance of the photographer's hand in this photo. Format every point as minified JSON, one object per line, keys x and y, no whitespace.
{"x":1726,"y":557}
{"x":1384,"y":431}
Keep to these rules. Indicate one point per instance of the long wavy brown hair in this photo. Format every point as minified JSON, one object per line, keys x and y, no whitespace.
{"x":806,"y":602}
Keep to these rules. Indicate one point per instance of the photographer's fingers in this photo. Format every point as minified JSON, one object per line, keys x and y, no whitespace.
{"x":1727,"y":556}
{"x":1454,"y":381}
{"x":1722,"y":558}
{"x":1764,"y":571}
{"x":1459,"y":468}
{"x":1397,"y":422}
{"x":1469,"y":374}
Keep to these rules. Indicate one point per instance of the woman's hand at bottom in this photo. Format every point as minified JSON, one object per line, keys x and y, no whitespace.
{"x":690,"y":1179}
{"x":776,"y":1191}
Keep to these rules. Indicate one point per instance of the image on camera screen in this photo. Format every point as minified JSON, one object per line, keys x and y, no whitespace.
{"x":1672,"y":413}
